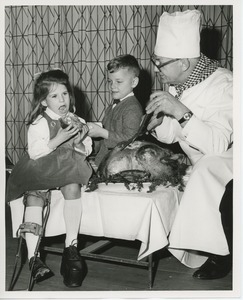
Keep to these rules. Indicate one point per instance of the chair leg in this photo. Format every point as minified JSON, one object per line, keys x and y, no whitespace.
{"x":150,"y":270}
{"x":17,"y":256}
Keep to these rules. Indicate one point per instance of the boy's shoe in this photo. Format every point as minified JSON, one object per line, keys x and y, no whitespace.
{"x":39,"y":270}
{"x":73,"y":267}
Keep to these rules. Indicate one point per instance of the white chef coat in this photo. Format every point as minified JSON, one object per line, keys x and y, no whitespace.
{"x":206,"y":139}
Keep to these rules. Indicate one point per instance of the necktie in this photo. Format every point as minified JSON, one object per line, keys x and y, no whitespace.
{"x":116,"y":101}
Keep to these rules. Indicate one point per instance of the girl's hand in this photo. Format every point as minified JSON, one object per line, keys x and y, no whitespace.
{"x":62,"y":136}
{"x":81,"y":135}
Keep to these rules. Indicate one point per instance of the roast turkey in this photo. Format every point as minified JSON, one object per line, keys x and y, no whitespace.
{"x":141,"y":161}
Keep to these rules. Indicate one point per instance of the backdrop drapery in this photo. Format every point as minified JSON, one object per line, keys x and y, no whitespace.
{"x":81,"y":40}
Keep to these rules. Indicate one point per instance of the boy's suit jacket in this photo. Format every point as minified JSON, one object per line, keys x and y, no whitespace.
{"x":122,"y":122}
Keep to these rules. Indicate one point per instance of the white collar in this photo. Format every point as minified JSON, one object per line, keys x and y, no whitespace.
{"x":129,"y":95}
{"x":52,"y":114}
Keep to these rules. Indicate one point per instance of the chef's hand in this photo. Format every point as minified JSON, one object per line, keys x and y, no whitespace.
{"x":155,"y":121}
{"x":164,"y":102}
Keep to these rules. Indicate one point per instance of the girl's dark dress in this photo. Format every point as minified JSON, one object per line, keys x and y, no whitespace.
{"x":61,"y":167}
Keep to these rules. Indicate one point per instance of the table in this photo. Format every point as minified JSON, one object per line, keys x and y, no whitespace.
{"x":112,"y":211}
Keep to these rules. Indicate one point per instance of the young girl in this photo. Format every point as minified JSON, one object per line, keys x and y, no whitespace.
{"x":56,"y":158}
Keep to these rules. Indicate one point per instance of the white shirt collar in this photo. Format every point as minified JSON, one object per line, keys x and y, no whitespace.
{"x":130,"y":94}
{"x":51,"y":114}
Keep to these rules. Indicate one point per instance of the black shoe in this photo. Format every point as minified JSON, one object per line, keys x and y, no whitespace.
{"x":73,"y":267}
{"x":215,"y":267}
{"x":39,"y":270}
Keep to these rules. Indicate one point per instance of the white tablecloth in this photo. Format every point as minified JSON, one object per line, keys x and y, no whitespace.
{"x":113,"y":211}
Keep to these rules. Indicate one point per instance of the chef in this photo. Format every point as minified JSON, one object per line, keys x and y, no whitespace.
{"x":196,"y":112}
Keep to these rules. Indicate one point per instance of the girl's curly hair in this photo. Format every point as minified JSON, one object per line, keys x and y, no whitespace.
{"x":42,"y":88}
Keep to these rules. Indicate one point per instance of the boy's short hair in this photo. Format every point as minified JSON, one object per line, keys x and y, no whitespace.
{"x":124,"y":61}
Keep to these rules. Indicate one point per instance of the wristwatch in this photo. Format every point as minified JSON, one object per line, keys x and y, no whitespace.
{"x":187,"y":116}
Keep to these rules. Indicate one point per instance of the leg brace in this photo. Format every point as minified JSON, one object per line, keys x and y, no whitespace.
{"x":34,"y":228}
{"x":31,"y":227}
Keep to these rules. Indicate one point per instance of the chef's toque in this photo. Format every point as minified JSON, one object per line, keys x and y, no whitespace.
{"x":178,"y":35}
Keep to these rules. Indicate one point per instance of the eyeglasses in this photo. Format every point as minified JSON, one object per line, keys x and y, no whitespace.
{"x":161,"y":65}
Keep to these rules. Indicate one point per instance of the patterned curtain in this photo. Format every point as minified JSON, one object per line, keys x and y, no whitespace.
{"x":81,"y":40}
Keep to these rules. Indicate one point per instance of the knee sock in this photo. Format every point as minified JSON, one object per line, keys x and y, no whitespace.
{"x":72,"y":217}
{"x":32,"y":214}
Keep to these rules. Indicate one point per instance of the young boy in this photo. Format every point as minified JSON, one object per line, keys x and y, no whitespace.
{"x":123,"y":117}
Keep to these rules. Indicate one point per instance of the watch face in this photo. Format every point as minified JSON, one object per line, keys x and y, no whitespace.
{"x":187,"y":116}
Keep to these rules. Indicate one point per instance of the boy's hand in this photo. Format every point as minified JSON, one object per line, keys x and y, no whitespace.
{"x":97,"y":131}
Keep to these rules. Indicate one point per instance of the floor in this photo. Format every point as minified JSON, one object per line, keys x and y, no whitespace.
{"x":169,"y":274}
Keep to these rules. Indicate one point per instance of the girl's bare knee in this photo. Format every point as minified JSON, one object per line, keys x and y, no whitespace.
{"x":34,"y":200}
{"x":71,"y":191}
